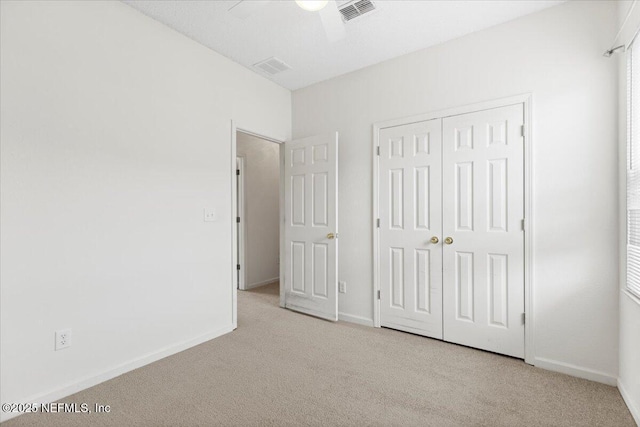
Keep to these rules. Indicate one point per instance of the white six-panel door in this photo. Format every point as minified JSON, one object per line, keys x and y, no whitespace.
{"x":483,"y":209}
{"x":461,"y":180}
{"x":410,"y":215}
{"x":311,"y":226}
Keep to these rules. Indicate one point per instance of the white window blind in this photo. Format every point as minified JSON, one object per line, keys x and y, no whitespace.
{"x":633,"y":171}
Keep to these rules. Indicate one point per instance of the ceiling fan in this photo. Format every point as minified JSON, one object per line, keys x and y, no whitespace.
{"x":326,"y":9}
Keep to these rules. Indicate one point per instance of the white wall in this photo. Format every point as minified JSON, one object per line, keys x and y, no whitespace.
{"x":262,"y":208}
{"x":629,"y":381}
{"x":629,"y":370}
{"x":555,"y":54}
{"x":116,"y":133}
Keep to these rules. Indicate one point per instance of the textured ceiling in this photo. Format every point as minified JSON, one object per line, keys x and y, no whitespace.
{"x":282,"y":29}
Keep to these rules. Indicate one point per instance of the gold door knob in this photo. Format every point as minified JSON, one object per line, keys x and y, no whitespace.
{"x":434,"y":240}
{"x":448,"y":240}
{"x":331,"y":236}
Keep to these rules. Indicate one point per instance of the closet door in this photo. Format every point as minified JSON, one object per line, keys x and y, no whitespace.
{"x":410,"y":228}
{"x":483,"y":209}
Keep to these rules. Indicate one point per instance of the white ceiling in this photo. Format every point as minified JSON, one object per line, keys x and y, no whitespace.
{"x":284,"y":30}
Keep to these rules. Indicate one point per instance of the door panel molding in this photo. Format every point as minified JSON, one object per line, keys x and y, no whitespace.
{"x":410,"y":160}
{"x":311,"y":226}
{"x":495,"y":134}
{"x":483,"y":207}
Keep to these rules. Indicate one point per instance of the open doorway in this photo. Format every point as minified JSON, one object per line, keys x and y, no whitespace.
{"x":306,"y":255}
{"x":258,"y":169}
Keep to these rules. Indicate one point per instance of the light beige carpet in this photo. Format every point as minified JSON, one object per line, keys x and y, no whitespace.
{"x":280,"y":368}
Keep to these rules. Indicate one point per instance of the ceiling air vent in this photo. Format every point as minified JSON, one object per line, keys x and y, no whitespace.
{"x":354,"y":9}
{"x":272,"y":66}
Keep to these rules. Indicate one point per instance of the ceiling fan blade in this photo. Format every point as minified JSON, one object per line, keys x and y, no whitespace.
{"x":246,"y":8}
{"x":332,"y":22}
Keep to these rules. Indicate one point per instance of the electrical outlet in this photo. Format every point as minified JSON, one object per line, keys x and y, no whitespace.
{"x":63,"y":339}
{"x":342,"y":287}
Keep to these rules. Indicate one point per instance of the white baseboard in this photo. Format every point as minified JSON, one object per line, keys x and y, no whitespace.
{"x":635,"y":410}
{"x":575,"y":371}
{"x":355,"y":319}
{"x":116,"y":371}
{"x":263,"y":283}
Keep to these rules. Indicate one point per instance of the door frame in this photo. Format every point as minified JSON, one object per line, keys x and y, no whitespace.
{"x":236,"y":127}
{"x":527,"y":100}
{"x":241,"y":225}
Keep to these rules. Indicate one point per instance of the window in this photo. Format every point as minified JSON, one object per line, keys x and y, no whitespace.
{"x":633,"y":171}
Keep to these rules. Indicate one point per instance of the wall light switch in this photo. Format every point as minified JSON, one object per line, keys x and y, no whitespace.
{"x":210,"y":215}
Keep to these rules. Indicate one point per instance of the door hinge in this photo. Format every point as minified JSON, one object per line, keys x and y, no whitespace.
{"x":524,"y":318}
{"x":237,"y":171}
{"x":378,"y":222}
{"x":522,"y":131}
{"x":523,"y":224}
{"x":238,"y":266}
{"x":238,"y":219}
{"x":378,"y":150}
{"x":378,"y":294}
